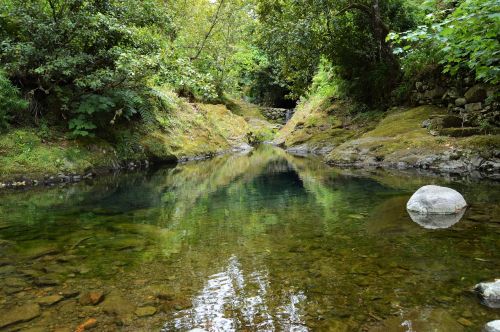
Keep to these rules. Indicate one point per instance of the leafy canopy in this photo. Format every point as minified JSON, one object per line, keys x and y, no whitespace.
{"x":465,"y":38}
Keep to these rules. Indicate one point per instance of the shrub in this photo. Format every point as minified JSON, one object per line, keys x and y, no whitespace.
{"x":80,"y":59}
{"x":10,"y":101}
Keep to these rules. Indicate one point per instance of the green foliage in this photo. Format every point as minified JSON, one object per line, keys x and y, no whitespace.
{"x":71,"y":56}
{"x":189,"y":81}
{"x":462,"y":40}
{"x":351,"y":36}
{"x":325,"y":83}
{"x":10,"y":101}
{"x":211,"y":38}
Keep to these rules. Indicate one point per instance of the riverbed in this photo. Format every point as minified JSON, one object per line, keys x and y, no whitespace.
{"x":260,"y":241}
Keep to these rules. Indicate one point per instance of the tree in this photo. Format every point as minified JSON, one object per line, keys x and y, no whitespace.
{"x":211,"y":36}
{"x":351,"y":35}
{"x":68,"y":56}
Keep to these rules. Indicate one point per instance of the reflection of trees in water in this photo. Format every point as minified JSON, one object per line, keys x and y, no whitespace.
{"x":231,"y":301}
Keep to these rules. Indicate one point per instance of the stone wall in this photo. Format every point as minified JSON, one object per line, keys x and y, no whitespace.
{"x":279,"y":115}
{"x":474,"y":107}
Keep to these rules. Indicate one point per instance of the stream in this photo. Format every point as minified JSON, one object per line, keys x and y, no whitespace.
{"x":262,"y":241}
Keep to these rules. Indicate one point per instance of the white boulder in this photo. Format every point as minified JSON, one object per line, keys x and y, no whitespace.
{"x":493,"y":326}
{"x":436,"y":200}
{"x":489,"y":293}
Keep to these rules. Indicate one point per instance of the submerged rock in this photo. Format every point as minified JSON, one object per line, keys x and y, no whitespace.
{"x":20,"y":314}
{"x":49,"y":300}
{"x":91,"y":298}
{"x":493,"y":326}
{"x":436,"y":221}
{"x":121,"y":308}
{"x":145,"y":311}
{"x":420,"y":320}
{"x":87,"y":325}
{"x":41,"y":251}
{"x":436,"y":200}
{"x":48,"y":280}
{"x":489,"y":292}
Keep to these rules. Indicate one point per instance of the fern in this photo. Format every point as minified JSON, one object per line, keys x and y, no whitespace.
{"x":147,"y":115}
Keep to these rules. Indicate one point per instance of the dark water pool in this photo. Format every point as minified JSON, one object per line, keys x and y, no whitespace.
{"x":257,"y":242}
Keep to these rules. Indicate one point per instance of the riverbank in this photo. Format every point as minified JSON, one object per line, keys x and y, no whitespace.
{"x":34,"y":155}
{"x":403,"y":137}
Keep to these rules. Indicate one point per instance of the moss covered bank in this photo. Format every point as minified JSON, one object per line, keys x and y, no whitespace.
{"x":425,"y":137}
{"x":30,"y":156}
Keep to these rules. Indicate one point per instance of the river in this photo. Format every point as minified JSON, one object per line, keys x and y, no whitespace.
{"x":262,"y":241}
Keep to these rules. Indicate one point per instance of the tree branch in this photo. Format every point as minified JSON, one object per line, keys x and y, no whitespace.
{"x":53,"y":8}
{"x":209,"y":32}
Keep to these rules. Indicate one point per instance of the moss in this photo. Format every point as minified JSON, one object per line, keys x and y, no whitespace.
{"x":318,"y":123}
{"x":244,"y":109}
{"x":403,"y":121}
{"x":399,"y":137}
{"x":22,"y":152}
{"x":194,"y":129}
{"x":259,"y":128}
{"x":157,"y":147}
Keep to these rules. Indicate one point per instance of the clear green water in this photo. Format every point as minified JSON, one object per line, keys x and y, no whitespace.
{"x":256,"y":242}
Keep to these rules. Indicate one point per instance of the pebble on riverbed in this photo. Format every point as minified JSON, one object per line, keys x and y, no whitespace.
{"x":145,"y":311}
{"x":91,"y":298}
{"x":49,"y":300}
{"x":20,"y":314}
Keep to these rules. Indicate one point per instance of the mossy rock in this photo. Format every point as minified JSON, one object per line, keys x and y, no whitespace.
{"x":446,"y":121}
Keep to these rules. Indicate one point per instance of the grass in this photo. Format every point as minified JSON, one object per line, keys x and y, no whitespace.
{"x":22,"y":152}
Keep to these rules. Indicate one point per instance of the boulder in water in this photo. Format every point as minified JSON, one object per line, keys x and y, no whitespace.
{"x":493,"y":326}
{"x":436,"y":200}
{"x":489,"y":292}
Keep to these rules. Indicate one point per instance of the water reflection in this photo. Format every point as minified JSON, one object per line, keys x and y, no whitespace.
{"x":257,"y":242}
{"x":436,"y":221}
{"x":229,"y":301}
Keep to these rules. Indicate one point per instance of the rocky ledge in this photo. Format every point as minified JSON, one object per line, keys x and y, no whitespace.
{"x":22,"y":182}
{"x":461,"y":161}
{"x":50,"y":180}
